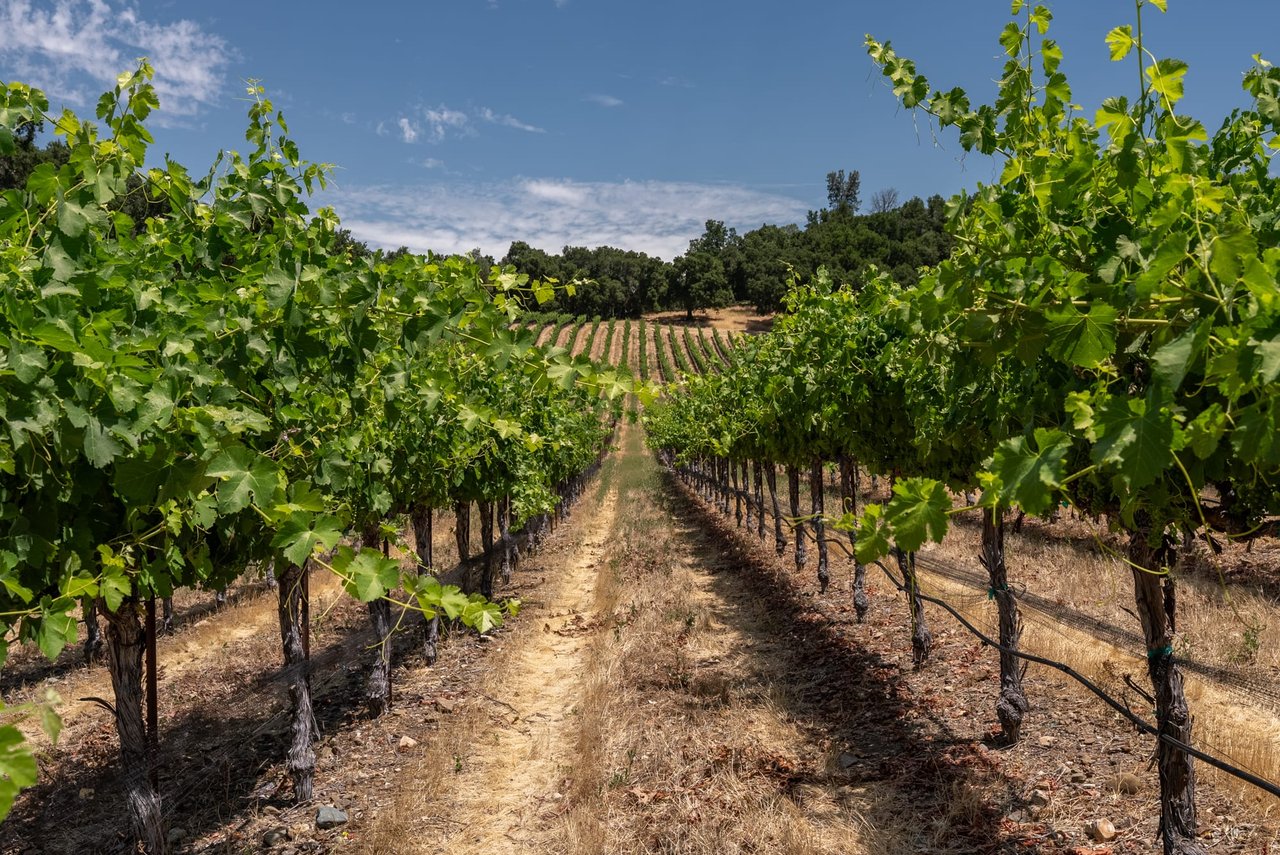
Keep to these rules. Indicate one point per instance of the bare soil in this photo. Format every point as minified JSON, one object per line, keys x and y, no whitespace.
{"x":732,"y":319}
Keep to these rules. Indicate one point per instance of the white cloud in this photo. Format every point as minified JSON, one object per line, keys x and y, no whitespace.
{"x":75,"y":48}
{"x":604,"y":100}
{"x":408,"y":131}
{"x":657,"y":217}
{"x":442,"y":122}
{"x":508,"y":121}
{"x":433,"y":163}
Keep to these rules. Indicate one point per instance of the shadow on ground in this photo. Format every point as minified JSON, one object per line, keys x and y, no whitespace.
{"x":929,"y":789}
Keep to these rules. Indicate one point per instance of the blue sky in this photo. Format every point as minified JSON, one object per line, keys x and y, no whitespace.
{"x":471,"y":123}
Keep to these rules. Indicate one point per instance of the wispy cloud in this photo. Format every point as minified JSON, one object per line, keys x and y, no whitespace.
{"x":657,"y":217}
{"x":508,"y":121}
{"x":75,"y":48}
{"x":433,"y":163}
{"x":408,"y":130}
{"x":604,"y":100}
{"x":441,"y":122}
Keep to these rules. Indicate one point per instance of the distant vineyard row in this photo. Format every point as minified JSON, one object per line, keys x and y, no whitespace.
{"x":651,"y":351}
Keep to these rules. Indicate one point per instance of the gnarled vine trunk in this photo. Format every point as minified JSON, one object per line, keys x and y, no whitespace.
{"x":1155,"y":607}
{"x":462,"y":529}
{"x":818,"y":503}
{"x":737,"y":493}
{"x":486,"y":548}
{"x":93,"y":645}
{"x":300,"y":759}
{"x":849,"y":500}
{"x":504,"y":537}
{"x":422,"y":521}
{"x":793,"y":493}
{"x":779,"y":539}
{"x":921,"y":638}
{"x":760,"y":521}
{"x":1011,"y":705}
{"x":377,"y":691}
{"x":126,"y":641}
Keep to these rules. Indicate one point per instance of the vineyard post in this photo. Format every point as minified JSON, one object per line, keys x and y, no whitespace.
{"x":504,"y":535}
{"x":93,"y":632}
{"x":724,"y":467}
{"x":462,"y":529}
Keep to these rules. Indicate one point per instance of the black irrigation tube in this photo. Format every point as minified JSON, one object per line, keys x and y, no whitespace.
{"x":1139,"y":722}
{"x":1259,"y":691}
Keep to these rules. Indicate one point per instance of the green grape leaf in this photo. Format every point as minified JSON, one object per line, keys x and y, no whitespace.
{"x":1120,"y":41}
{"x":1080,"y":339}
{"x":1256,"y":437}
{"x":50,"y":721}
{"x":872,"y":540}
{"x":244,"y":477}
{"x":367,"y":575}
{"x":918,"y":512}
{"x":1166,"y":79}
{"x":1206,"y":430}
{"x":303,"y":534}
{"x":1170,"y":362}
{"x":56,"y":631}
{"x":27,"y":362}
{"x":482,"y":616}
{"x":1029,"y":476}
{"x":1135,"y":439}
{"x":18,"y":768}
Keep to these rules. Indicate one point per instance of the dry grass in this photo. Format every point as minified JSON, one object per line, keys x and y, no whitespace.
{"x":683,"y":745}
{"x":1087,"y":578}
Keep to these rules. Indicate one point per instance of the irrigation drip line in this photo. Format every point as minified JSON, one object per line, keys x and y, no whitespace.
{"x":1232,"y":679}
{"x":1139,"y":722}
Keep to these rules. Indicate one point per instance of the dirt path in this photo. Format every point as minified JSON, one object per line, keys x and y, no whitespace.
{"x":597,"y":345}
{"x":645,"y":703}
{"x":516,"y":773}
{"x":567,"y":335}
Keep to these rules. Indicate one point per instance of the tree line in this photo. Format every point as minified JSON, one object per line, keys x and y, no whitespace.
{"x":722,"y":267}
